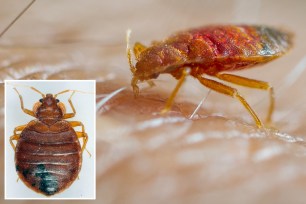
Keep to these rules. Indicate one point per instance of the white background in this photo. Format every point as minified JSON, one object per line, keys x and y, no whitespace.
{"x":84,"y":104}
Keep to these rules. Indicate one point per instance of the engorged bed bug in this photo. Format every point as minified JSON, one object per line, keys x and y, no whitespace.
{"x":211,"y":51}
{"x":48,"y":154}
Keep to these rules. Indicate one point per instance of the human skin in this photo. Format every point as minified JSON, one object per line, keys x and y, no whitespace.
{"x":218,"y":156}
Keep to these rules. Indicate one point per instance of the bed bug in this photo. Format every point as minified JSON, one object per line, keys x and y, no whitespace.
{"x":211,"y":51}
{"x":48,"y":154}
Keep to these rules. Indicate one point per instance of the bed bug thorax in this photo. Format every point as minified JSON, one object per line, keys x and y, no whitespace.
{"x":211,"y":51}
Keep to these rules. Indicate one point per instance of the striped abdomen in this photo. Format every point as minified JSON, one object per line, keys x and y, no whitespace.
{"x":243,"y":40}
{"x":48,"y":159}
{"x":213,"y":49}
{"x":232,"y":47}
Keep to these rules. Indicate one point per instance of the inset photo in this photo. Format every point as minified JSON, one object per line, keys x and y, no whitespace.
{"x":50,"y":139}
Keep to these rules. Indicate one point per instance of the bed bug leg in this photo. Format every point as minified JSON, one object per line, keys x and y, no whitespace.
{"x":68,"y":115}
{"x":16,"y":135}
{"x":19,"y":128}
{"x":85,"y":139}
{"x":227,"y":90}
{"x":252,"y":84}
{"x":81,"y":134}
{"x":27,"y":111}
{"x":134,"y":86}
{"x":185,"y":72}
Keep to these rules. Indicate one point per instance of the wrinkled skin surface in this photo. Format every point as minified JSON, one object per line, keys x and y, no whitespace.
{"x":142,"y":157}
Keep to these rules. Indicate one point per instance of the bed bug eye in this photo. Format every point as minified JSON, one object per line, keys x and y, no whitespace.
{"x":57,"y":100}
{"x":41,"y":100}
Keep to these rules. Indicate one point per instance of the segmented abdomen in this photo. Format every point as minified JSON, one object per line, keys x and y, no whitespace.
{"x":230,"y":47}
{"x":243,"y":40}
{"x":48,"y":162}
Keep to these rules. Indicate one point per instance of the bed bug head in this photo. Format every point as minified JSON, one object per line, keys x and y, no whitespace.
{"x":49,"y":109}
{"x":152,"y":61}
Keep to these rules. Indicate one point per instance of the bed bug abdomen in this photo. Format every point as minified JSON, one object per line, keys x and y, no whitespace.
{"x":48,"y":158}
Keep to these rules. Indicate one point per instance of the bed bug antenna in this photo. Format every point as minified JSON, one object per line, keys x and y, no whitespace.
{"x":68,"y":90}
{"x":17,"y":17}
{"x":132,"y":67}
{"x":36,"y":90}
{"x":31,"y":87}
{"x":65,"y":91}
{"x":129,"y":51}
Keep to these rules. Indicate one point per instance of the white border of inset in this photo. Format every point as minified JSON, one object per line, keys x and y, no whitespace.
{"x":85,"y":187}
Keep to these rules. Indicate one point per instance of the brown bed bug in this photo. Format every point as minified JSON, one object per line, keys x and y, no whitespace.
{"x":212,"y":51}
{"x":48,"y":154}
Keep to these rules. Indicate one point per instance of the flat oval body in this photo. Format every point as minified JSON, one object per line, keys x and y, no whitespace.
{"x":48,"y":158}
{"x":213,"y":49}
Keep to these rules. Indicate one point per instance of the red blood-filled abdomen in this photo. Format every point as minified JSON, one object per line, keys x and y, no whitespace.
{"x":48,"y":158}
{"x":230,"y":47}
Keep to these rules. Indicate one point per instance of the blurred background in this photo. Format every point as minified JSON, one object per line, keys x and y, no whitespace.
{"x":219,"y":155}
